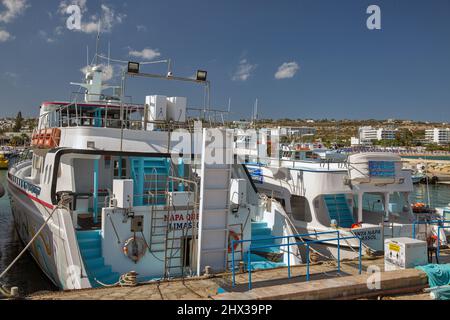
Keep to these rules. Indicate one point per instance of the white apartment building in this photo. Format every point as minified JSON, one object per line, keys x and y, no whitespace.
{"x":368,"y":133}
{"x":438,"y":135}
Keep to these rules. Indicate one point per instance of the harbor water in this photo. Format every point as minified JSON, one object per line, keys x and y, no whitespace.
{"x":28,"y":277}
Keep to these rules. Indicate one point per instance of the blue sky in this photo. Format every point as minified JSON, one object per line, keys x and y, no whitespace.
{"x":332,"y":65}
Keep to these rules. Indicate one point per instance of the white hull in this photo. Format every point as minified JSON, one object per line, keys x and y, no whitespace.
{"x":51,"y":250}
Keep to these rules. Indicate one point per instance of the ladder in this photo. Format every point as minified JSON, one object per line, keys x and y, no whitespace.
{"x":214,"y":202}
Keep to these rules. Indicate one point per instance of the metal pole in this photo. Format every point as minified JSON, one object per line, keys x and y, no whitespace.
{"x":339,"y":252}
{"x":95,"y":194}
{"x":249,"y":268}
{"x":414,"y":230}
{"x":289,"y":258}
{"x":360,"y":254}
{"x":232,"y":262}
{"x":307,"y":262}
{"x":438,"y":242}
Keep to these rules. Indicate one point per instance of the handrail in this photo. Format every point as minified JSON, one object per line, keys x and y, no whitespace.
{"x":431,"y":222}
{"x":438,"y":250}
{"x":307,"y":244}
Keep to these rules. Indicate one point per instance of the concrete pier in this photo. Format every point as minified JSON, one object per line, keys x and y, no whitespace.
{"x":325,"y":283}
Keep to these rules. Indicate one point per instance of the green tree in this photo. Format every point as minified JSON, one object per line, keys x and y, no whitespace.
{"x":18,"y":124}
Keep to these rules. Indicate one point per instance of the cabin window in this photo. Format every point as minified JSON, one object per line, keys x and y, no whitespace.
{"x":300,"y":208}
{"x":117,"y":167}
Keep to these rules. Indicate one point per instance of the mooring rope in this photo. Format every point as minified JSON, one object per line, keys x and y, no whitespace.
{"x":128,"y":279}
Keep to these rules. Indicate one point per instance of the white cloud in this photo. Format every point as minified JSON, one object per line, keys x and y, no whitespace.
{"x":146,"y":53}
{"x":107,"y":71}
{"x":243,"y":71}
{"x":11,"y":77}
{"x":287,"y":70}
{"x":45,"y":36}
{"x":141,"y":28}
{"x":14,"y":8}
{"x":5,"y":36}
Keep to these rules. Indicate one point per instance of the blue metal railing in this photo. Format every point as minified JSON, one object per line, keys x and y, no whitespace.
{"x":307,"y":243}
{"x":441,"y":226}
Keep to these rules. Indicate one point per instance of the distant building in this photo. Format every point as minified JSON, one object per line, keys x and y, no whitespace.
{"x":354,"y":141}
{"x":368,"y":134}
{"x":298,"y":131}
{"x":438,"y":135}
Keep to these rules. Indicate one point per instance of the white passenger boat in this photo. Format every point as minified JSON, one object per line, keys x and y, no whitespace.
{"x":115,"y":193}
{"x":366,"y":195}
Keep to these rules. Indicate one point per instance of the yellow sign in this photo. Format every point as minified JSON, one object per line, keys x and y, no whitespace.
{"x":394,"y":247}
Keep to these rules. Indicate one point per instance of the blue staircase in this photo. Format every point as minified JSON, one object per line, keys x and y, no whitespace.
{"x":150,"y":175}
{"x":263,"y":236}
{"x":90,"y":246}
{"x":339,"y":210}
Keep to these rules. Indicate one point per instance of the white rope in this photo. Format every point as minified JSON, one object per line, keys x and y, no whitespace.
{"x":128,"y":279}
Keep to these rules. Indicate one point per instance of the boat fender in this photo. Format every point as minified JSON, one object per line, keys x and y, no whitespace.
{"x":134,"y":248}
{"x":232,"y":236}
{"x":2,"y":191}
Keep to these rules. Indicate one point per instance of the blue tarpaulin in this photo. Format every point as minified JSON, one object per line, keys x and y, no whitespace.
{"x":438,"y":275}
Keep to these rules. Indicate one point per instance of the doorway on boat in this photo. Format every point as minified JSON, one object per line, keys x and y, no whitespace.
{"x":89,"y":179}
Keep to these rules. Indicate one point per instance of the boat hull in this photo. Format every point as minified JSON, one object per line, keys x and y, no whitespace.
{"x":49,"y":249}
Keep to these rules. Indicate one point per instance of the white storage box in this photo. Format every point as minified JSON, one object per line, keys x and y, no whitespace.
{"x":157,"y":107}
{"x":176,"y":109}
{"x":123,"y":193}
{"x":403,"y":253}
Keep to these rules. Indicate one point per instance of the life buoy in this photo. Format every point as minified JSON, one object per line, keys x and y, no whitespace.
{"x":232,"y":236}
{"x":134,"y":248}
{"x":356,"y":225}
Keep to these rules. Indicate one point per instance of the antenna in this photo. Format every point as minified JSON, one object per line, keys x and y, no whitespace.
{"x":97,"y":42}
{"x":87,"y":56}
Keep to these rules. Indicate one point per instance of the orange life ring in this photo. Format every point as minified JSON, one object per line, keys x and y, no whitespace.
{"x":232,"y":236}
{"x":356,"y":225}
{"x":134,"y":248}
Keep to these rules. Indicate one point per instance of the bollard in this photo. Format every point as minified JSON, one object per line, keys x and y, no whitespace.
{"x":15,"y":292}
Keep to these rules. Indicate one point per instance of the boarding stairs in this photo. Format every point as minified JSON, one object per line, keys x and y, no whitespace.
{"x":267,"y":257}
{"x":339,"y":210}
{"x":90,"y":245}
